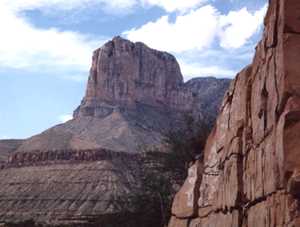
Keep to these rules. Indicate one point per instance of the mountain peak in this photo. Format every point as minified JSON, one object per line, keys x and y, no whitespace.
{"x":124,"y":73}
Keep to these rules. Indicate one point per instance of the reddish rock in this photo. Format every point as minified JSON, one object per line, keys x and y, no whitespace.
{"x":127,"y":75}
{"x":124,"y":73}
{"x":185,"y":201}
{"x":251,"y":173}
{"x":178,"y":222}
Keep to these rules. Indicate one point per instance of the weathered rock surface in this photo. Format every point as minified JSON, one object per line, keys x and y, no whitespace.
{"x":86,"y":171}
{"x":252,"y":164}
{"x":185,"y":201}
{"x":127,"y":75}
{"x":134,"y":95}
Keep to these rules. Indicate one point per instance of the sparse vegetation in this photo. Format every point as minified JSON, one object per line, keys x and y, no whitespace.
{"x":154,"y":201}
{"x":186,"y":145}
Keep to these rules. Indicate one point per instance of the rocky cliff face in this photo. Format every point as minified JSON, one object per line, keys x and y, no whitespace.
{"x":129,"y":75}
{"x":251,"y":171}
{"x":87,"y":171}
{"x":125,"y":74}
{"x":134,"y":95}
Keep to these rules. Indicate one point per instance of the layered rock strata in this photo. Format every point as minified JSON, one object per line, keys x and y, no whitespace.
{"x":87,"y":188}
{"x":252,"y":167}
{"x":68,"y":188}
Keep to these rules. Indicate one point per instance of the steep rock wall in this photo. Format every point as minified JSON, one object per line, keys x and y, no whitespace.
{"x":126,"y":75}
{"x":251,"y":173}
{"x":123,"y":73}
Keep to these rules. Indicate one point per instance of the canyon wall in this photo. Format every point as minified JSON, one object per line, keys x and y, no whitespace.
{"x":251,"y":171}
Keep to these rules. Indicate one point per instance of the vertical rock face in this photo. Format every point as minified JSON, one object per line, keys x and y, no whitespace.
{"x":125,"y":74}
{"x":252,"y":166}
{"x":128,"y":75}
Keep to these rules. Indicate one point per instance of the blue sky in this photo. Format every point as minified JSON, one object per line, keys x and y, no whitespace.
{"x":46,"y":47}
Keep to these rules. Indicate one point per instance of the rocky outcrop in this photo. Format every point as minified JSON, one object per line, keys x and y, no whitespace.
{"x":129,"y":75}
{"x":251,"y":166}
{"x":185,"y":203}
{"x":126,"y":73}
{"x":134,"y":95}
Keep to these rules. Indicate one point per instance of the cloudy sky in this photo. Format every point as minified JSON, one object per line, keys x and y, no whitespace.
{"x":46,"y":46}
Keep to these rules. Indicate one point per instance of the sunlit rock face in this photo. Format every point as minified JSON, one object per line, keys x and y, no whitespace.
{"x":126,"y":73}
{"x":251,"y":168}
{"x":129,"y":75}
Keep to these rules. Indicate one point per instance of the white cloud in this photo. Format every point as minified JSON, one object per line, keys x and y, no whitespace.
{"x":198,"y":29}
{"x":64,"y":118}
{"x":191,"y":70}
{"x":204,"y":31}
{"x":238,"y":26}
{"x":110,"y":6}
{"x":18,"y":5}
{"x":195,"y":30}
{"x":4,"y":137}
{"x":24,"y":46}
{"x":174,"y":5}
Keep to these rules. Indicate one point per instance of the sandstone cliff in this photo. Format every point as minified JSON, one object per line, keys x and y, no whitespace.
{"x":251,"y":171}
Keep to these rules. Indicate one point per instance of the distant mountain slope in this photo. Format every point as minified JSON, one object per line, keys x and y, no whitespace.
{"x":7,"y":147}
